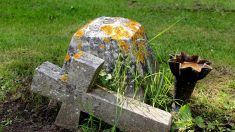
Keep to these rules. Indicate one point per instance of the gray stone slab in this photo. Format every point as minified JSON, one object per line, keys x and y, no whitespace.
{"x":126,"y":113}
{"x":83,"y":70}
{"x":47,"y":78}
{"x":68,"y":116}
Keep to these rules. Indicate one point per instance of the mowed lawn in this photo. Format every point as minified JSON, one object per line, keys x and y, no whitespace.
{"x":35,"y":31}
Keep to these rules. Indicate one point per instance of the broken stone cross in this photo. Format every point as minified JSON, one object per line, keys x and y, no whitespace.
{"x":80,"y":77}
{"x":76,"y":92}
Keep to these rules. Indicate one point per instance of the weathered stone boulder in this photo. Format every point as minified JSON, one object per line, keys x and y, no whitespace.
{"x":110,"y":37}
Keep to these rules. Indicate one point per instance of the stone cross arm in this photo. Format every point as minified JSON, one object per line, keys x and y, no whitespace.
{"x":126,"y":113}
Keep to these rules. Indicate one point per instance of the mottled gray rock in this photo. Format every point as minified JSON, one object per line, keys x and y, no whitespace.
{"x":126,"y":113}
{"x":110,"y":37}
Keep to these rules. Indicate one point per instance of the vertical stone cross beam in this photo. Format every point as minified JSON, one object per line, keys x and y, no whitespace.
{"x":125,"y":113}
{"x":82,"y":72}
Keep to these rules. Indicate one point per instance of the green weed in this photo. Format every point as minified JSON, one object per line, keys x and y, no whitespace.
{"x":184,"y":121}
{"x":4,"y":124}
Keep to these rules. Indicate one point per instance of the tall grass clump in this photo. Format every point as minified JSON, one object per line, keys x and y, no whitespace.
{"x":157,"y":89}
{"x":156,"y":86}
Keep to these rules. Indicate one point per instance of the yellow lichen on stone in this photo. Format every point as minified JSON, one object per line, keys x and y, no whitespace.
{"x":138,"y":35}
{"x":139,"y":51}
{"x":80,"y":46}
{"x":106,"y":40}
{"x":78,"y":55}
{"x":64,"y":77}
{"x":141,"y":30}
{"x":116,"y":37}
{"x":132,"y":25}
{"x":121,"y":32}
{"x":141,"y":57}
{"x":133,"y":22}
{"x":124,"y":46}
{"x":67,"y":57}
{"x":79,"y":33}
{"x":108,"y":29}
{"x":102,"y":46}
{"x":116,"y":33}
{"x":141,"y":45}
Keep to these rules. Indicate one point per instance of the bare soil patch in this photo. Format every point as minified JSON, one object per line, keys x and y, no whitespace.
{"x":25,"y":116}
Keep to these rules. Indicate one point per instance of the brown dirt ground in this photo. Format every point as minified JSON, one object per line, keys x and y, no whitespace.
{"x":26,"y":117}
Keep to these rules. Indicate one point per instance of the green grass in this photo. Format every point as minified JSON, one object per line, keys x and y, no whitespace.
{"x":32,"y":32}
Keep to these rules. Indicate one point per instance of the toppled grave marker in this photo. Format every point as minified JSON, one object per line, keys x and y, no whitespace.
{"x":134,"y":116}
{"x":75,"y":89}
